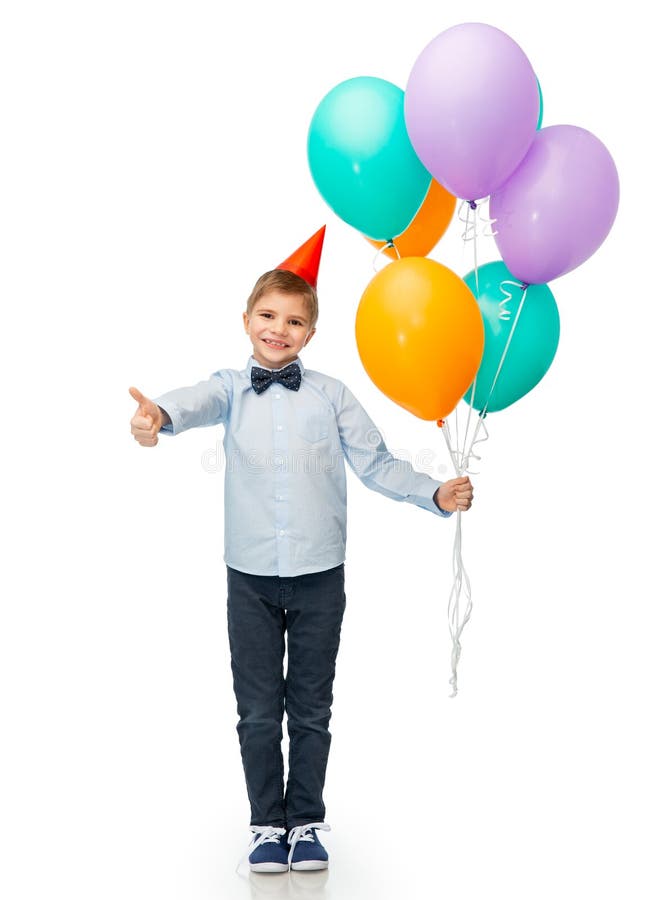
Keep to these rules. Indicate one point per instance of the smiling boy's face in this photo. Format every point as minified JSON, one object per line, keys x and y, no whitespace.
{"x":278,"y":327}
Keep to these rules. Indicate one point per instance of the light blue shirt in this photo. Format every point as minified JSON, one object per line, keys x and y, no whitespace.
{"x":285,"y":478}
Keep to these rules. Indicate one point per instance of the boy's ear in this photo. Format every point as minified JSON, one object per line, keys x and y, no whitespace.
{"x":309,"y":336}
{"x":246,"y":322}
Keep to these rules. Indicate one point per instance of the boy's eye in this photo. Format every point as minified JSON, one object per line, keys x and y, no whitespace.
{"x":267,"y":315}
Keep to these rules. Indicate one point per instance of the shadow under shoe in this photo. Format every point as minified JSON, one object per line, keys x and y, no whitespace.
{"x":307,"y":885}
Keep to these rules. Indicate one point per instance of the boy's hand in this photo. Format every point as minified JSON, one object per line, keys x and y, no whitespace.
{"x":456,"y":494}
{"x":147,"y":421}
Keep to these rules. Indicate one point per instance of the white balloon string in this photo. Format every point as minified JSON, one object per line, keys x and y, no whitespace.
{"x":470,"y":454}
{"x":504,"y":316}
{"x":447,"y":434}
{"x":471,"y":232}
{"x":464,"y":216}
{"x":464,"y":457}
{"x":385,"y":246}
{"x":461,"y":588}
{"x":487,"y":230}
{"x":476,"y":265}
{"x":460,"y":597}
{"x":464,"y":236}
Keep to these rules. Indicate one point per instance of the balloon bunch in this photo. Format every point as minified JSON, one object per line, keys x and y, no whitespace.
{"x":392,"y":162}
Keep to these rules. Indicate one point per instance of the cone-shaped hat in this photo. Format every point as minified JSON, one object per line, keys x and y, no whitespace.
{"x":305,"y":260}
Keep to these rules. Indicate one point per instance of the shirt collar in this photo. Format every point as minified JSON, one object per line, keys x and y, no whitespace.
{"x":253,"y":362}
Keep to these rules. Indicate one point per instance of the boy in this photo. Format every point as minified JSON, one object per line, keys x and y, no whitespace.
{"x":287,"y":432}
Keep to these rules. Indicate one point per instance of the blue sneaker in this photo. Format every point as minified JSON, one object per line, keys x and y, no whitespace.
{"x":268,"y":849}
{"x":306,"y":850}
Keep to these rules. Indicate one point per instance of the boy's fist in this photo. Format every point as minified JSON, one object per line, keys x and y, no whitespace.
{"x":147,"y":420}
{"x":456,"y":494}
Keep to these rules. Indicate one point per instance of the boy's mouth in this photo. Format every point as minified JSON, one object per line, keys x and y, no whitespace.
{"x":278,"y":344}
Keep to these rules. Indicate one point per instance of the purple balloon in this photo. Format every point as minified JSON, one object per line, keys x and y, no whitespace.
{"x":471,"y":107}
{"x":557,"y":208}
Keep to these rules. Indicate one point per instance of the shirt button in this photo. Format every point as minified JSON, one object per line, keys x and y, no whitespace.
{"x":279,"y":496}
{"x":279,"y":428}
{"x":281,"y":532}
{"x":277,"y":396}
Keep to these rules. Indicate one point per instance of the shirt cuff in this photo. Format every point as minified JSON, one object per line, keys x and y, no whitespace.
{"x":172,"y":426}
{"x":426,"y":501}
{"x":441,"y":512}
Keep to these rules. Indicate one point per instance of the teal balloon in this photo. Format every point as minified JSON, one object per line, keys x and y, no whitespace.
{"x":534,"y":341}
{"x":361,"y":158}
{"x":541,"y":106}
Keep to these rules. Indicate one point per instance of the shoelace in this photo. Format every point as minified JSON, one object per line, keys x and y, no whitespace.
{"x":303,"y":833}
{"x":263,"y":834}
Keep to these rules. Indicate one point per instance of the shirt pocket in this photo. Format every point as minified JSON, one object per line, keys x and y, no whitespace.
{"x":312,"y":426}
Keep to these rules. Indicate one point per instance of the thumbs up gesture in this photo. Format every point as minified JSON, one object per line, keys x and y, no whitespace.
{"x":147,"y":421}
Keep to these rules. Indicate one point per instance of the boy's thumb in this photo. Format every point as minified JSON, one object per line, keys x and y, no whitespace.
{"x":136,"y":395}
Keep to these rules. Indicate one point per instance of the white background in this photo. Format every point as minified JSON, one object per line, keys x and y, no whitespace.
{"x":153,"y":165}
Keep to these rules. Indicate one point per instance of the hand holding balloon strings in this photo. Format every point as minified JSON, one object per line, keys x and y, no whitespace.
{"x":391,"y":164}
{"x":461,"y":459}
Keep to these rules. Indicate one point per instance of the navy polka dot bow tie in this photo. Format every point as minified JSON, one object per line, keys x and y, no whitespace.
{"x":290,"y":376}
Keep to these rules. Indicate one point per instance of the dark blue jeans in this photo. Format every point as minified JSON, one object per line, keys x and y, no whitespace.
{"x":261,"y":611}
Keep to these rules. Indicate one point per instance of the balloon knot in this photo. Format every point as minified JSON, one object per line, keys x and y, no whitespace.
{"x":440,"y":423}
{"x":524,"y":285}
{"x":472,"y":204}
{"x":390,"y":243}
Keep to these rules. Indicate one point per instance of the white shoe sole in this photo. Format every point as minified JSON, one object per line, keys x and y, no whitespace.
{"x":310,"y":865}
{"x":268,"y":867}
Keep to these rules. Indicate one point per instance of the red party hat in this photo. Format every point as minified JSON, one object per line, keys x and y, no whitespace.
{"x":305,"y":260}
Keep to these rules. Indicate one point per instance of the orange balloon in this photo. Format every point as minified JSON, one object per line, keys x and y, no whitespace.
{"x":420,"y":335}
{"x":427,"y":226}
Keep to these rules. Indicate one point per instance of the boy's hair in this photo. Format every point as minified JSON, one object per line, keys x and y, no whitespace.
{"x":288,"y":283}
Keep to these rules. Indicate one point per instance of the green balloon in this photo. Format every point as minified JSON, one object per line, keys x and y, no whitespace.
{"x":540,"y":118}
{"x":361,"y":158}
{"x":534,"y":340}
